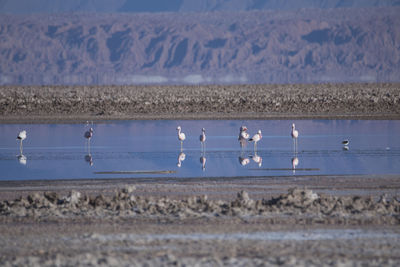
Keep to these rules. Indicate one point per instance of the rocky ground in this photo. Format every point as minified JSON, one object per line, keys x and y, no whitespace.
{"x":134,"y":223}
{"x":196,"y":102}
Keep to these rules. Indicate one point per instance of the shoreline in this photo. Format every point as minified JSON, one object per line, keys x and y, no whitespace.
{"x":69,"y":104}
{"x":215,"y":116}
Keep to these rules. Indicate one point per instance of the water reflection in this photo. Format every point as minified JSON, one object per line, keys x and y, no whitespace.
{"x":22,"y":159}
{"x":295,"y":162}
{"x":124,"y":147}
{"x":181,"y":158}
{"x":257,"y":159}
{"x":244,"y":161}
{"x":89,"y":159}
{"x":203,"y":161}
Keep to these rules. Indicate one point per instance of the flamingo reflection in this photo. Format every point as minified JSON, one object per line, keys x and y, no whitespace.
{"x":22,"y":159}
{"x":203,"y":162}
{"x":181,"y":158}
{"x":257,"y":159}
{"x":89,"y":159}
{"x":295,"y":162}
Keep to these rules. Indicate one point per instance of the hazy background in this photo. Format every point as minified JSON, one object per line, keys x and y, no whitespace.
{"x":195,"y":42}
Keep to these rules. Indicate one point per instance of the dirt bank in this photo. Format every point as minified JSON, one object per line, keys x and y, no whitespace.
{"x":299,"y":227}
{"x":54,"y":103}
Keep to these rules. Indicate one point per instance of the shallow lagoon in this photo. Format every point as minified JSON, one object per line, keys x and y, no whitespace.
{"x":129,"y":149}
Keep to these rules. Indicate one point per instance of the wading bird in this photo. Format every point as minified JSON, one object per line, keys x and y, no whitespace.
{"x":203,"y":138}
{"x":257,"y":137}
{"x":21,"y":137}
{"x":88,"y":135}
{"x":294,"y":134}
{"x":181,"y":136}
{"x":243,"y":135}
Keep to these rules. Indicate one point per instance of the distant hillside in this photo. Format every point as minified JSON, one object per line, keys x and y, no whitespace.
{"x":107,"y":6}
{"x":254,"y":47}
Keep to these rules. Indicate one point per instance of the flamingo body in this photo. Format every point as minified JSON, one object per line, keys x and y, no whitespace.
{"x":22,"y":135}
{"x":256,"y":138}
{"x":294,"y":135}
{"x":294,"y":132}
{"x":88,"y":134}
{"x":181,"y":135}
{"x":243,"y":135}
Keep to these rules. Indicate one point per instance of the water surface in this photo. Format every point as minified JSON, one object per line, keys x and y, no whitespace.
{"x":129,"y":149}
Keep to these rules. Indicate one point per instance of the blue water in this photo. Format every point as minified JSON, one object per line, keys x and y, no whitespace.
{"x":129,"y":149}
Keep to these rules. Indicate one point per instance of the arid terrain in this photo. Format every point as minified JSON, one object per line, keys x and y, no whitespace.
{"x":336,"y":221}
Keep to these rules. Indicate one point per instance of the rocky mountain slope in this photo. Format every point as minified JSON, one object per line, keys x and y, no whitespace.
{"x":217,"y":47}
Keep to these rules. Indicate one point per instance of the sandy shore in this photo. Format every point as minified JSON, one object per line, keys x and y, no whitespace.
{"x":265,"y":221}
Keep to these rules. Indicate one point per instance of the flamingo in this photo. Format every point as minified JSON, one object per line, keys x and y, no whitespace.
{"x":181,"y":136}
{"x":243,"y":135}
{"x":21,"y":137}
{"x":88,"y":135}
{"x":181,"y":158}
{"x":294,"y":134}
{"x":257,"y":137}
{"x":203,"y":138}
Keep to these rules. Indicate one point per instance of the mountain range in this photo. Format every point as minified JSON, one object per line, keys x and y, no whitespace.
{"x":244,"y":45}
